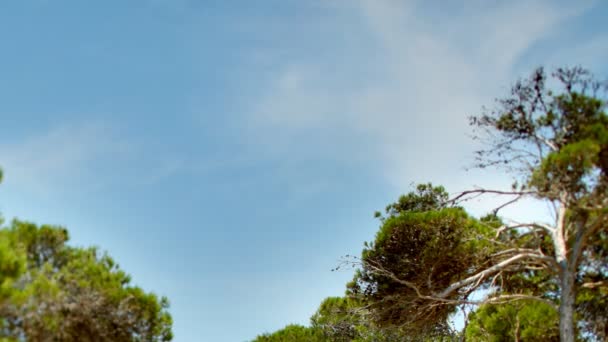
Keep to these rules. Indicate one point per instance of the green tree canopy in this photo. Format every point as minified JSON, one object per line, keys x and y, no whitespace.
{"x":518,"y":321}
{"x":292,"y":332}
{"x":52,"y":291}
{"x":339,"y":319}
{"x":422,"y":247}
{"x":343,"y":319}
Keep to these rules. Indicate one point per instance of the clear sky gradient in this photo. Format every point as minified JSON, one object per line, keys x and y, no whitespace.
{"x":228,"y":153}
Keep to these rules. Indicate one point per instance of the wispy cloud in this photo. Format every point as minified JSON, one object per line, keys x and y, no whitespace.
{"x":63,"y":156}
{"x":400,"y":103}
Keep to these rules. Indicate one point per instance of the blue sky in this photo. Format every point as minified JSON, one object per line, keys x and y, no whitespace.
{"x":228,"y":153}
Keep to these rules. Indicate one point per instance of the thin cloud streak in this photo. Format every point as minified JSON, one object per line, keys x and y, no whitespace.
{"x":88,"y":155}
{"x":56,"y":158}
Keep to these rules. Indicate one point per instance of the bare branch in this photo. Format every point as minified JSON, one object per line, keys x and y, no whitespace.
{"x":497,"y":209}
{"x":513,"y":250}
{"x":470,"y":194}
{"x":474,"y":280}
{"x":596,"y":284}
{"x":537,"y":226}
{"x":547,"y":142}
{"x":491,"y":270}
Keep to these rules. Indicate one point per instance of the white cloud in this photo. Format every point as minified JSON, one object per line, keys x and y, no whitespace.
{"x":416,"y":74}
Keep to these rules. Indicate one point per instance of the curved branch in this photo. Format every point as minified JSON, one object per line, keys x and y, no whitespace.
{"x":491,"y":270}
{"x":538,"y":226}
{"x":478,"y":192}
{"x":475,"y":279}
{"x":602,"y":283}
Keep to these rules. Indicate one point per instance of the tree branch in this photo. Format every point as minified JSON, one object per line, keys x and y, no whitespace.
{"x":515,"y":297}
{"x":489,"y":271}
{"x":478,"y":192}
{"x":581,"y":236}
{"x":538,"y":226}
{"x":596,"y":284}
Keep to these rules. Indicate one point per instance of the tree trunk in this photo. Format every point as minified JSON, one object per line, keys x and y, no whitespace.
{"x":566,"y":306}
{"x":567,"y":272}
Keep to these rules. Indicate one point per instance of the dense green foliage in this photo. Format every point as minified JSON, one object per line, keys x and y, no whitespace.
{"x":338,"y":319}
{"x":51,"y":291}
{"x":345,"y":319}
{"x":517,"y":321}
{"x":292,"y":332}
{"x":341,"y":319}
{"x":592,"y":297}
